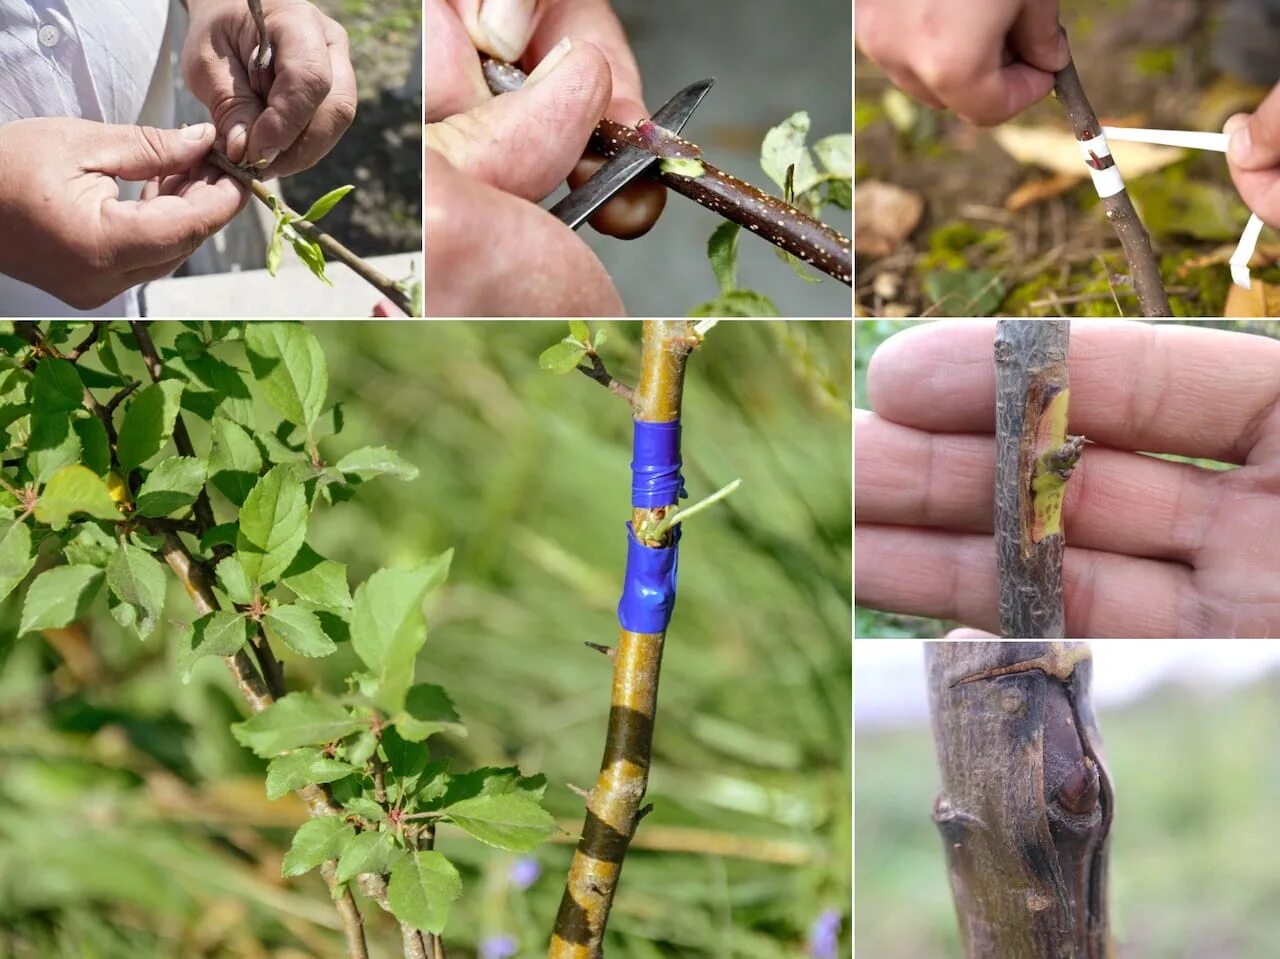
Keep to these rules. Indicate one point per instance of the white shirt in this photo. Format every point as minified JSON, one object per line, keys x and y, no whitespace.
{"x":93,"y":59}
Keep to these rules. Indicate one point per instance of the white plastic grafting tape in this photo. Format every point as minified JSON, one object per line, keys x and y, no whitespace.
{"x":1107,"y":182}
{"x":1190,"y":139}
{"x":1244,"y":252}
{"x":1095,"y":147}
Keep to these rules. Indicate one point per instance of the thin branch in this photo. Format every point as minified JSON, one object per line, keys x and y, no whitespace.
{"x":1144,"y":270}
{"x":332,"y":248}
{"x":769,"y":216}
{"x":79,"y":350}
{"x":614,"y":805}
{"x":122,"y":394}
{"x":596,"y":371}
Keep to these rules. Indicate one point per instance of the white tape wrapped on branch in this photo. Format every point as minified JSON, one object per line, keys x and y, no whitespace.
{"x":1109,"y":181}
{"x":1187,"y":139}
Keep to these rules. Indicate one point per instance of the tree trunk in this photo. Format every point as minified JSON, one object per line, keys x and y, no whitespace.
{"x":1026,"y":803}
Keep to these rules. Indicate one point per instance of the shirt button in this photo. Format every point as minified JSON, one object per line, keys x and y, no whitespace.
{"x":49,"y":35}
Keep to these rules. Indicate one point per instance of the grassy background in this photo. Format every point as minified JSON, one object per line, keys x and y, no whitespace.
{"x":1197,"y":781}
{"x":132,"y":825}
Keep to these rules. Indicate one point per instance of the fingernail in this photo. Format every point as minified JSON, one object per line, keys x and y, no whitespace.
{"x":554,"y":56}
{"x":1240,"y":145}
{"x":235,"y":138}
{"x":197,"y":131}
{"x":508,"y":24}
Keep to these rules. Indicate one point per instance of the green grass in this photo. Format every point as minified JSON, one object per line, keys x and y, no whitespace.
{"x":132,"y":825}
{"x":1197,"y":782}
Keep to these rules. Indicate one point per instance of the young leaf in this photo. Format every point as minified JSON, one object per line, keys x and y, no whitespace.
{"x":371,"y":461}
{"x":427,"y":711}
{"x":563,"y":357}
{"x":221,"y":633}
{"x":59,"y":596}
{"x":310,"y":253}
{"x":138,"y":581}
{"x":172,"y":485}
{"x":737,"y":303}
{"x":16,"y":557}
{"x":95,"y":448}
{"x":315,"y":842}
{"x":148,"y":423}
{"x":835,"y":153}
{"x":275,"y":248}
{"x":722,"y":251}
{"x":784,"y":146}
{"x":318,"y":580}
{"x":287,"y":360}
{"x":368,"y":852}
{"x":579,"y":330}
{"x":303,"y":767}
{"x":387,"y":627}
{"x":74,"y":489}
{"x":234,"y":581}
{"x":326,"y":203}
{"x":298,"y":719}
{"x":406,"y":759}
{"x":365,"y":808}
{"x":509,"y":821}
{"x":423,"y":886}
{"x":235,"y":462}
{"x":273,"y":525}
{"x":298,"y":629}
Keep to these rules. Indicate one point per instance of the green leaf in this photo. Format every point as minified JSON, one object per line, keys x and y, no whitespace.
{"x":722,"y":251}
{"x":423,"y":886}
{"x":56,"y":386}
{"x":563,"y":357}
{"x":287,"y":360}
{"x":316,"y":841}
{"x":234,"y":581}
{"x":74,"y":489}
{"x":221,"y":633}
{"x":835,"y":153}
{"x":138,"y":581}
{"x":16,"y":557}
{"x":298,"y":719}
{"x":303,"y":767}
{"x":365,"y":808}
{"x":406,"y":759}
{"x":318,"y":580}
{"x":95,"y":448}
{"x":579,"y":330}
{"x":273,"y":525}
{"x":784,"y":146}
{"x":840,"y":193}
{"x":52,"y":444}
{"x":509,"y":821}
{"x":309,"y":252}
{"x":326,"y":203}
{"x":495,"y":781}
{"x":172,"y":485}
{"x":738,"y":303}
{"x":275,"y":248}
{"x":148,"y":423}
{"x":427,"y":711}
{"x":235,"y":463}
{"x":298,"y":629}
{"x":965,"y":292}
{"x":387,"y":626}
{"x":59,"y":596}
{"x":368,"y":852}
{"x":683,"y":166}
{"x":371,"y":461}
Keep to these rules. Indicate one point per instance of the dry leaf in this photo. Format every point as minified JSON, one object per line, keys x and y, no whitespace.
{"x":1266,"y":254}
{"x":1054,"y":149}
{"x":1261,"y":299}
{"x":886,"y":215}
{"x":1037,"y":191}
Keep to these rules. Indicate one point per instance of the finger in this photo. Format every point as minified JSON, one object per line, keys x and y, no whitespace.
{"x":454,"y":82}
{"x":1255,"y":145}
{"x":953,"y":576}
{"x":139,"y":153}
{"x":531,"y":263}
{"x":998,"y":95}
{"x":303,"y":79}
{"x":142,"y":235}
{"x":500,"y":28}
{"x":1155,"y":387}
{"x":906,"y":80}
{"x":1260,"y":189}
{"x":333,"y":117}
{"x":526,"y":142}
{"x":965,"y":633}
{"x":1116,"y":501}
{"x":1038,"y":39}
{"x":594,"y":21}
{"x":629,"y":214}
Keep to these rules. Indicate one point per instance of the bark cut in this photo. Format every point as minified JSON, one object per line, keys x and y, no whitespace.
{"x":1026,"y":803}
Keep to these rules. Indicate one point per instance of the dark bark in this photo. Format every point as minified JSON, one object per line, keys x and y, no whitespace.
{"x":1144,"y":270}
{"x":1031,"y":370}
{"x":1026,"y":803}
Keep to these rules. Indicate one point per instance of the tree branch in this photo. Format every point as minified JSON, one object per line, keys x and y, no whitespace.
{"x":768,"y":216}
{"x":332,"y":248}
{"x":614,"y":805}
{"x":1144,"y":270}
{"x":596,"y":371}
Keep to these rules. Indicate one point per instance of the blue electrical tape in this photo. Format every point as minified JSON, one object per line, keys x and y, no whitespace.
{"x":655,"y":465}
{"x":649,"y":587}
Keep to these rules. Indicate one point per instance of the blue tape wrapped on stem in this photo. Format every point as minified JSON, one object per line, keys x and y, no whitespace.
{"x":655,"y":465}
{"x":649,"y":587}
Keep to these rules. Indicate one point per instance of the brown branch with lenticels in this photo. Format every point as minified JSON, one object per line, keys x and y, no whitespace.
{"x":770,"y":217}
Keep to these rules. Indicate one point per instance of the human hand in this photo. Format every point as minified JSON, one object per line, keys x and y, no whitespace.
{"x":1154,"y":548}
{"x":1253,"y":156}
{"x":526,"y":31}
{"x":987,"y":60}
{"x":490,"y":251}
{"x":63,"y":226}
{"x":288,"y":116}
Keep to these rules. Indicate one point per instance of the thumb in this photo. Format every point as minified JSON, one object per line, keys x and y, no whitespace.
{"x":140,"y":153}
{"x":526,"y":142}
{"x":1255,"y":138}
{"x":500,"y":28}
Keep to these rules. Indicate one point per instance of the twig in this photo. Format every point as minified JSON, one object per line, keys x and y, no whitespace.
{"x":613,"y":807}
{"x":262,"y":57}
{"x":596,"y":371}
{"x":95,"y":329}
{"x":772,"y":218}
{"x":121,"y":395}
{"x":1144,"y":270}
{"x":332,"y":248}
